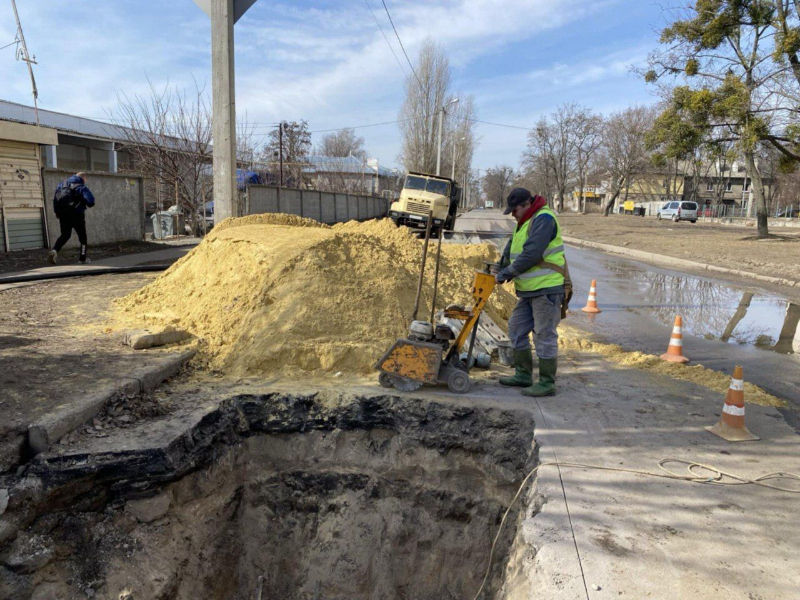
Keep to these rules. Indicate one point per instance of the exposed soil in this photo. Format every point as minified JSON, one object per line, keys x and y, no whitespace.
{"x":23,"y":260}
{"x":707,"y":243}
{"x":304,"y":497}
{"x":49,"y":352}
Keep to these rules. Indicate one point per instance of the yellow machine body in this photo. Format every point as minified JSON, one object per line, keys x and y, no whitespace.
{"x":423,"y":362}
{"x":412,"y":359}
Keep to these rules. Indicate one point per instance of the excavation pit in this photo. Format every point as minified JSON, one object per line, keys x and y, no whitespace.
{"x":314,"y":497}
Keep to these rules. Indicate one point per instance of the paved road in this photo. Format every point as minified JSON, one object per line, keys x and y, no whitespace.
{"x":725,"y":322}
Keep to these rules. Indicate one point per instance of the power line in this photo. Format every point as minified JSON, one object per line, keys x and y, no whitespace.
{"x":16,"y":41}
{"x":388,"y":14}
{"x":361,"y":126}
{"x":399,"y":64}
{"x":502,"y":125}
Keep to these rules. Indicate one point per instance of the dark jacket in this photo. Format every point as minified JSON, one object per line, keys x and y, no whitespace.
{"x":79,"y":188}
{"x":541,"y":232}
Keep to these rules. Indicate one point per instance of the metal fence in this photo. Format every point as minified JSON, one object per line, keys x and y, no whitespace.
{"x":325,"y":207}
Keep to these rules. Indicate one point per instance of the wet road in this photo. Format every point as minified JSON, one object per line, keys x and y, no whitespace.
{"x":725,"y":323}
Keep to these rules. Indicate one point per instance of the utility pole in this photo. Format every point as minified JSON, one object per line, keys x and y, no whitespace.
{"x":22,"y":54}
{"x":439,"y":138}
{"x":453,"y":172}
{"x":223,"y":14}
{"x":280,"y":153}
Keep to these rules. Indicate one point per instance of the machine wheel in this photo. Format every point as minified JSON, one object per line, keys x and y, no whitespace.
{"x":658,"y":216}
{"x":695,"y":221}
{"x":675,"y":218}
{"x":458,"y":382}
{"x":385,"y":380}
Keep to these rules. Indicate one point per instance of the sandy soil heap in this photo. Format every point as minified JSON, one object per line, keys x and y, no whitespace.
{"x":271,"y":292}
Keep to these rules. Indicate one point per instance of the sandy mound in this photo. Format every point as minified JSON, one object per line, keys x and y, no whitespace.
{"x":270,"y":293}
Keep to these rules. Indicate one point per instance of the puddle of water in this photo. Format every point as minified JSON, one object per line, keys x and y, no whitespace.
{"x":714,"y":310}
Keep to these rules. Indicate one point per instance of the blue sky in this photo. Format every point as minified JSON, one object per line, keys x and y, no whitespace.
{"x":327,"y":61}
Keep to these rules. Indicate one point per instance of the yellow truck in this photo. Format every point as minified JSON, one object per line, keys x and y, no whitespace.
{"x":423,"y":193}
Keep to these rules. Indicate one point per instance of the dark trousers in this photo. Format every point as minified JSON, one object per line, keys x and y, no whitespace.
{"x":68,"y":222}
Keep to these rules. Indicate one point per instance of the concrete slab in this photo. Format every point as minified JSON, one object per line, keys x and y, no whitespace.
{"x":80,"y":408}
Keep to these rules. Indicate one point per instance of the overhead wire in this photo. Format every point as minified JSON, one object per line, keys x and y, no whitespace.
{"x":399,"y":64}
{"x":388,"y":14}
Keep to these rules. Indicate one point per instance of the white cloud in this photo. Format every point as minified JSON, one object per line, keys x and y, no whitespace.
{"x":327,"y":63}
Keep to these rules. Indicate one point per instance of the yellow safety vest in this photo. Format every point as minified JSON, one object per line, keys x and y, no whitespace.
{"x":537,"y":278}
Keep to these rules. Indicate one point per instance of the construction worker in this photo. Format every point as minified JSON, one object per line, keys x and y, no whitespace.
{"x":534,"y":259}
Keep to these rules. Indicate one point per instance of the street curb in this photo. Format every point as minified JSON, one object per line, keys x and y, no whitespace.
{"x":77,"y":410}
{"x":668,"y":261}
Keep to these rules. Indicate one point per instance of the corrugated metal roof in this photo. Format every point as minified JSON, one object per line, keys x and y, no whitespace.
{"x":11,"y":111}
{"x":344,"y":164}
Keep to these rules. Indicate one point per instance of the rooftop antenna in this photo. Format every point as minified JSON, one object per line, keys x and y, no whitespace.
{"x":22,"y":54}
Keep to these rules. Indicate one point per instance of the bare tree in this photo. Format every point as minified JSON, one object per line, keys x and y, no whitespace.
{"x":588,"y":140}
{"x":426,"y":93}
{"x":294,"y":146}
{"x":497,"y":183}
{"x":168,"y":136}
{"x":344,"y":142}
{"x":624,"y":152}
{"x":559,"y":150}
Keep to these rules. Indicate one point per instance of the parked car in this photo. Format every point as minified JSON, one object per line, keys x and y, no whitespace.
{"x":679,"y":211}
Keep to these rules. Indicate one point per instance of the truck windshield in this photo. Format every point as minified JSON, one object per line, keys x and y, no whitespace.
{"x":434,"y":186}
{"x":438,"y":187}
{"x":415,"y":183}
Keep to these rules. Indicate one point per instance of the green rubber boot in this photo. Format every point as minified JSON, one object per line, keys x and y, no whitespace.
{"x":523,"y":370}
{"x":546,"y":386}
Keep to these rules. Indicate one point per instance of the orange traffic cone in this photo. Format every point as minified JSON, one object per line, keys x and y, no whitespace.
{"x":675,"y":349}
{"x":591,"y":304}
{"x":731,"y":423}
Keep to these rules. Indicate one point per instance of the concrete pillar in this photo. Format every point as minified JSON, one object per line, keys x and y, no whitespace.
{"x":51,"y":157}
{"x":224,"y":109}
{"x":112,"y":159}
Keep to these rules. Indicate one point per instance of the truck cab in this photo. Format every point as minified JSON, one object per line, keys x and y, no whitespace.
{"x":422,"y":194}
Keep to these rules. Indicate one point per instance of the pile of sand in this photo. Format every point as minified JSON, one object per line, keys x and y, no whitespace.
{"x":270,"y":293}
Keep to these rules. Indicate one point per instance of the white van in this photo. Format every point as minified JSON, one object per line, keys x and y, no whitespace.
{"x":679,"y":211}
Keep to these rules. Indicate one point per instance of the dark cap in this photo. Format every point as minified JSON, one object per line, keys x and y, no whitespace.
{"x":515,"y":198}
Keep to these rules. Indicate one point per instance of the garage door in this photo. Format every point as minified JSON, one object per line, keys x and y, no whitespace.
{"x":21,"y":195}
{"x":25,"y":229}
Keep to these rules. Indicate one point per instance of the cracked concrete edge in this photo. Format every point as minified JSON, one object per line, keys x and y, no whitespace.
{"x":79,"y":409}
{"x":669,"y":261}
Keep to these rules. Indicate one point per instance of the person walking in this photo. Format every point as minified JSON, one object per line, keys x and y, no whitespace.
{"x":534,"y":259}
{"x":70,"y":202}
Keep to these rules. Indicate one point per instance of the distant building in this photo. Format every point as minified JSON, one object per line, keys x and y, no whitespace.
{"x":349,"y":174}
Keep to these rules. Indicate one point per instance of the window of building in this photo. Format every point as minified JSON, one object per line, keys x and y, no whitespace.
{"x":728,"y":186}
{"x":72,"y":158}
{"x":709,"y":187}
{"x":746,"y":185}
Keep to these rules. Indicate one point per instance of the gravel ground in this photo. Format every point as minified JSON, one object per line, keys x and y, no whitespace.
{"x":712,"y":243}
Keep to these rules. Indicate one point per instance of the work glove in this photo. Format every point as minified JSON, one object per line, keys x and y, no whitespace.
{"x":504,"y":275}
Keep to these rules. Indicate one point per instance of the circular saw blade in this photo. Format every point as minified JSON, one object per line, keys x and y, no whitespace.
{"x":403,"y":384}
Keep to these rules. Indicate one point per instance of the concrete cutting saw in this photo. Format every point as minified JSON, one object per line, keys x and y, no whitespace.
{"x":430,"y":354}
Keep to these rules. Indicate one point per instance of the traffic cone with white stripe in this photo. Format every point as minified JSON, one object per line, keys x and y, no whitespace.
{"x":674,"y":351}
{"x":591,"y":304}
{"x":731,"y":423}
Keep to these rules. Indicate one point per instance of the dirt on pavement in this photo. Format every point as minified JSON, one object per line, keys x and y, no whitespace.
{"x":706,"y":243}
{"x":23,"y":260}
{"x":48,"y":352}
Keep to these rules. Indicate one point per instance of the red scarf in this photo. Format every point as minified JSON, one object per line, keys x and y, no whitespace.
{"x":538,"y":203}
